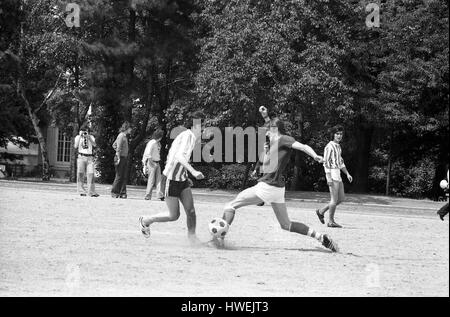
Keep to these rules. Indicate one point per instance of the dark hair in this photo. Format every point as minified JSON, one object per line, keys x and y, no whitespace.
{"x":158,"y":134}
{"x":189,"y":120}
{"x":332,"y":131}
{"x":125,"y":126}
{"x":279,"y":124}
{"x":84,"y":127}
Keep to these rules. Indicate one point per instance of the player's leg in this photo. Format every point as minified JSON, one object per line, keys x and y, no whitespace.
{"x":90,"y":177}
{"x":150,"y":182}
{"x":159,"y":193}
{"x":81,"y":168}
{"x":115,"y":189}
{"x":187,"y":201}
{"x":124,"y":171}
{"x":172,"y":214}
{"x":334,"y":189}
{"x":321,"y":212}
{"x":247,"y":197}
{"x":443,"y":211}
{"x":300,"y":228}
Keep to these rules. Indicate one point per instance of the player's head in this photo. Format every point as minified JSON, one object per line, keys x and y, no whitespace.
{"x":276,"y":127}
{"x":196,"y":122}
{"x":336,"y":133}
{"x":125,"y":128}
{"x":158,"y":135}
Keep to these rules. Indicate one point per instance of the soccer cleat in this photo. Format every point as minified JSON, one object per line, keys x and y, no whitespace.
{"x":334,"y":225}
{"x":144,"y":229}
{"x":321,"y":217}
{"x":218,"y":243}
{"x":260,"y":204}
{"x":329,"y":244}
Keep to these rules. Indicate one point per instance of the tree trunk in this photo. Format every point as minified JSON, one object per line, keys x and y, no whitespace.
{"x":363,"y":145}
{"x":245,"y":180}
{"x":389,"y":167}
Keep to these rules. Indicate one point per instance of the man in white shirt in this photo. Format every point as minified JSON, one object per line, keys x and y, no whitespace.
{"x":84,"y":143}
{"x":151,"y":165}
{"x":175,"y":183}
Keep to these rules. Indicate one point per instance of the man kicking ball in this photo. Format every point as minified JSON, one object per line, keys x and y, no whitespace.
{"x":175,"y":183}
{"x":271,"y":186}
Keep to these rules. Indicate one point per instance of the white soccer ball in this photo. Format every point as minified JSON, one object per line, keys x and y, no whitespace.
{"x":218,"y":227}
{"x":443,"y":184}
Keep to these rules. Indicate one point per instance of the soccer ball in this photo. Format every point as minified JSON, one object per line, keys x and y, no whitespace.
{"x":443,"y":184}
{"x":218,"y":227}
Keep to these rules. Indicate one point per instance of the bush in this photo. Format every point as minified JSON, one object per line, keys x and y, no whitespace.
{"x":225,"y":177}
{"x":413,"y":182}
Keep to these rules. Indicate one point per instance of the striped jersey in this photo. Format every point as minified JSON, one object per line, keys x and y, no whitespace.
{"x":333,"y":157}
{"x":183,"y":145}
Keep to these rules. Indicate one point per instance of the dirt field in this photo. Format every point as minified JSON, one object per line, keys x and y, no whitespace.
{"x":55,"y":243}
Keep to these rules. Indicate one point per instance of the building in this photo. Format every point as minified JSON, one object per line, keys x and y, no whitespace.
{"x":60,"y":152}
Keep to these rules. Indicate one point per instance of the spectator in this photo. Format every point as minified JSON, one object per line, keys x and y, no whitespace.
{"x":151,"y":165}
{"x":119,"y":187}
{"x":85,"y":143}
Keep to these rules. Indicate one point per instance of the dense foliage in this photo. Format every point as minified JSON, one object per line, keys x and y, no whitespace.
{"x":313,"y":63}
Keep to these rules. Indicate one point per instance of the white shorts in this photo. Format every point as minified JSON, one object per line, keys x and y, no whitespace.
{"x":270,"y":194}
{"x":336,"y":174}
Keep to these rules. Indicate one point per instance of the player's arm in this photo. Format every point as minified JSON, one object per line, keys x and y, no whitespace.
{"x":308,"y":150}
{"x":92,"y":139}
{"x":264,"y":113}
{"x":119,"y":145}
{"x":76,"y":143}
{"x":326,"y":165}
{"x":146,"y":154}
{"x":349,"y":177}
{"x":184,"y":162}
{"x":183,"y":158}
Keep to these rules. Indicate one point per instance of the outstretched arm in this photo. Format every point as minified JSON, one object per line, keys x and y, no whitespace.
{"x":308,"y":150}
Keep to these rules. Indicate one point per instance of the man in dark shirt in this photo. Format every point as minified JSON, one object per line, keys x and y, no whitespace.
{"x":271,"y":186}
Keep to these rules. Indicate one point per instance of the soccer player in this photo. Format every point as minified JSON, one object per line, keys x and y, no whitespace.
{"x":444,"y":210}
{"x":333,"y":165}
{"x":271,"y":186}
{"x":175,"y":183}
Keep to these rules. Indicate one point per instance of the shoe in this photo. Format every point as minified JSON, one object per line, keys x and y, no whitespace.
{"x":123,"y":196}
{"x":162,"y":198}
{"x":329,"y":244}
{"x":144,"y":229}
{"x":441,"y":216}
{"x":114,"y":195}
{"x":95,"y":195}
{"x":321,"y":217}
{"x":147,"y":198}
{"x":260,"y":204}
{"x":83,"y":195}
{"x":334,"y":225}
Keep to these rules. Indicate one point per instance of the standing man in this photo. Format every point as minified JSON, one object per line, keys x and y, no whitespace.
{"x":333,"y":165}
{"x":151,"y":166}
{"x":119,"y":187}
{"x":444,"y":210}
{"x":84,"y":143}
{"x":175,"y":182}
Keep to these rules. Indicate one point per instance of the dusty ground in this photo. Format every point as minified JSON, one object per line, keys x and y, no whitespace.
{"x":55,"y":243}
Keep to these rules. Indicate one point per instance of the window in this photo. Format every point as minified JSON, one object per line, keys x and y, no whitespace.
{"x":64,"y":144}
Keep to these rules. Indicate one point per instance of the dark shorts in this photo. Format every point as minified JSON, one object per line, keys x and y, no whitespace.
{"x":173,"y":188}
